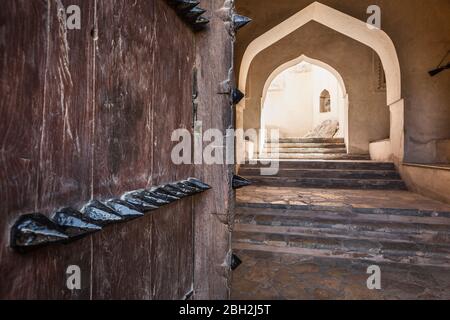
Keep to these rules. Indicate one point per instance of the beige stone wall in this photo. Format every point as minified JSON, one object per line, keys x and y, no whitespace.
{"x":430,"y":181}
{"x":420,"y":32}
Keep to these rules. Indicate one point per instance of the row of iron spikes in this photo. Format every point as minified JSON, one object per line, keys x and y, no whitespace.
{"x":66,"y":225}
{"x":238,"y":21}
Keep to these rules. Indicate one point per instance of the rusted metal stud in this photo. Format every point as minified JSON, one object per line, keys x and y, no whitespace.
{"x":193,"y":14}
{"x":184,"y":5}
{"x":100,"y":214}
{"x":74,"y":223}
{"x":126,"y":210}
{"x":33,"y":231}
{"x":199,"y":184}
{"x":239,"y":182}
{"x":200,"y":23}
{"x":235,"y":262}
{"x":237,"y":96}
{"x":240,"y":21}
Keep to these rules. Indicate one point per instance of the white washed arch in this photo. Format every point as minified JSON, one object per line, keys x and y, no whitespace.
{"x":356,"y":29}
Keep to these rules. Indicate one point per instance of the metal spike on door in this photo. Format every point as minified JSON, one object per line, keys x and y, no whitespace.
{"x":190,"y":13}
{"x":199,"y":184}
{"x":193,"y":14}
{"x":200,"y":23}
{"x":146,"y":199}
{"x":33,"y":231}
{"x":184,"y":5}
{"x":240,"y":21}
{"x":240,"y":182}
{"x":235,"y":262}
{"x":74,"y":223}
{"x":100,"y":213}
{"x":126,"y":210}
{"x":237,"y":96}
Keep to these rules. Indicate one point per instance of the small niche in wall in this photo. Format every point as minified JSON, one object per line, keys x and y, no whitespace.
{"x":325,"y":102}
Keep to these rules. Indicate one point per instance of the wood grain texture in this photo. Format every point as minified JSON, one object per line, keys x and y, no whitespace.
{"x":214,"y":211}
{"x":45,"y":144}
{"x":144,"y":93}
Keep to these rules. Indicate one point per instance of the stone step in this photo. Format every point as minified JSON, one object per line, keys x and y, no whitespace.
{"x":304,"y":145}
{"x":343,"y":245}
{"x":328,"y":173}
{"x":432,"y":260}
{"x":307,"y":140}
{"x":314,"y":156}
{"x":332,"y":165}
{"x":393,"y":221}
{"x":440,"y":217}
{"x":305,"y":150}
{"x":333,"y":241}
{"x":365,"y":184}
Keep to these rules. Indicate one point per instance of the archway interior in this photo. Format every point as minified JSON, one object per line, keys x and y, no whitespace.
{"x":353,"y":28}
{"x":302,"y":98}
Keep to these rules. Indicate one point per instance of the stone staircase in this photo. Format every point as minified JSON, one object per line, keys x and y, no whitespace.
{"x":353,"y":174}
{"x":378,"y":235}
{"x":312,"y":148}
{"x":351,"y":213}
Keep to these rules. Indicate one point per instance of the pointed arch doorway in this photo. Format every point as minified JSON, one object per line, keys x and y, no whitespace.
{"x":320,"y":95}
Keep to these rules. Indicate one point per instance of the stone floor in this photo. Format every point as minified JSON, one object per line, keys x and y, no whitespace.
{"x":269,"y":276}
{"x":277,"y":275}
{"x":394,"y":199}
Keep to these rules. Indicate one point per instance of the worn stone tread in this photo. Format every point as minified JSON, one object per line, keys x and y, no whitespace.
{"x":307,"y":140}
{"x":305,"y":150}
{"x":347,"y":216}
{"x":304,"y":145}
{"x":383,"y":184}
{"x":324,"y":164}
{"x":386,"y":240}
{"x":327,"y":173}
{"x":413,"y":236}
{"x":315,"y":156}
